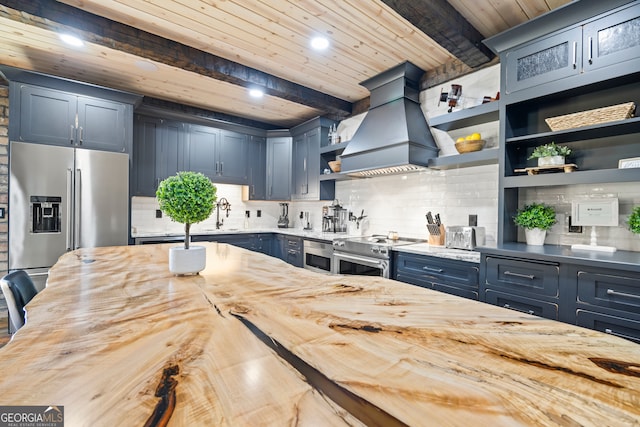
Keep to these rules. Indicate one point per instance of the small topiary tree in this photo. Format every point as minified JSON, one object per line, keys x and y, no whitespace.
{"x":634,"y":220}
{"x":187,"y":198}
{"x":536,"y":215}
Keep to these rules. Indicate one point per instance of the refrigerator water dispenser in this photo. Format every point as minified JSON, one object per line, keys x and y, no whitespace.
{"x":45,"y":214}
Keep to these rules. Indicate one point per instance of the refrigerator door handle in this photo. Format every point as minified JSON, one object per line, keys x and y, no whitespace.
{"x":68,"y":213}
{"x":77,"y":213}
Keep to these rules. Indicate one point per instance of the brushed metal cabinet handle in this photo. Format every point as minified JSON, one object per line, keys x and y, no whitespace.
{"x":622,"y":294}
{"x":617,"y":334}
{"x":69,"y":217}
{"x":575,"y":55}
{"x":521,"y":311}
{"x":522,"y":276}
{"x":590,"y":50}
{"x":435,"y":270}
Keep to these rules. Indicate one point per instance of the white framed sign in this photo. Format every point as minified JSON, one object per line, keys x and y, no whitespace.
{"x":632,"y":162}
{"x":598,"y":212}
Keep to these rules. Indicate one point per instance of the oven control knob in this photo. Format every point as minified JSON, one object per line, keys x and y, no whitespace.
{"x":375,"y":249}
{"x":338,"y":244}
{"x":383,"y":251}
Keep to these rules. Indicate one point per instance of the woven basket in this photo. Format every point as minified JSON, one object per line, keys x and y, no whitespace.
{"x":592,"y":117}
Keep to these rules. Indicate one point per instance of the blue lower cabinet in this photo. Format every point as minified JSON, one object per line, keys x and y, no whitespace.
{"x":289,"y":249}
{"x":442,"y":274}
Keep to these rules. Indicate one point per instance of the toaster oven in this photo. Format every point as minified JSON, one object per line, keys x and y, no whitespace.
{"x":464,"y":237}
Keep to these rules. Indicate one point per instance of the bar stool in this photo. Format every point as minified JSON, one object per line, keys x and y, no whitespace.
{"x":18,"y":290}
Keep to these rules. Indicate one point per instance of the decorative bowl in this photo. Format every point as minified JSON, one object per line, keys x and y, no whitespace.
{"x":336,"y":165}
{"x":468,"y":146}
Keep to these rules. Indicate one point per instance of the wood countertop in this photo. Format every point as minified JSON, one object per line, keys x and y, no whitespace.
{"x":252,"y":341}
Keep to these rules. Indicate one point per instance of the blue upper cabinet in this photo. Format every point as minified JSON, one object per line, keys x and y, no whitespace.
{"x":257,"y":168}
{"x":553,"y":58}
{"x":279,"y":168}
{"x":232,"y":155}
{"x":200,"y":154}
{"x":307,"y":162}
{"x":613,"y":39}
{"x":565,"y":55}
{"x":219,"y":154}
{"x":49,"y":116}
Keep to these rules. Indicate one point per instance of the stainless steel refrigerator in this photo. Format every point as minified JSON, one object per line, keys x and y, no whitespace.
{"x":61,"y":199}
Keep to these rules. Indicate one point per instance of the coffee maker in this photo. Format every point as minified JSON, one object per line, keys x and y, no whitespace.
{"x":283,"y":221}
{"x":334,"y":218}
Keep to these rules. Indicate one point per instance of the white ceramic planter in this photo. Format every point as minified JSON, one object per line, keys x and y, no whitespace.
{"x":551,"y":161}
{"x":187,"y":261}
{"x":535,"y":236}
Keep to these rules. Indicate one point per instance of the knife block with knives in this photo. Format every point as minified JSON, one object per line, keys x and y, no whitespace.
{"x":436,"y":229}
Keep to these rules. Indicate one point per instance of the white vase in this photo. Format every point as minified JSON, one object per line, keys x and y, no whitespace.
{"x":551,"y":161}
{"x":187,"y":261}
{"x":535,"y":236}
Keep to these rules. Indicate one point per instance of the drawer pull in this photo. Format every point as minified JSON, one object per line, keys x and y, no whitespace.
{"x":521,"y":311}
{"x":435,"y":270}
{"x":522,"y":276}
{"x":622,"y":294}
{"x":616,"y":334}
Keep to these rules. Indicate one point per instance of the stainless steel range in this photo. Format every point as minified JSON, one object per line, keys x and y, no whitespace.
{"x":368,"y":256}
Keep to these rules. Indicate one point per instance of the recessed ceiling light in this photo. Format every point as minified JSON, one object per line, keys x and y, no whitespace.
{"x":319,"y":43}
{"x":71,"y":40}
{"x":256,"y":93}
{"x":146,"y":65}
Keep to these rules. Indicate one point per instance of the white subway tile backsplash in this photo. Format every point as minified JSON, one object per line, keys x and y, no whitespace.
{"x":560,"y":197}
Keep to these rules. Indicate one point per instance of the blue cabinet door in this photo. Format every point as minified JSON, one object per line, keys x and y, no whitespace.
{"x":200,"y":150}
{"x":257,"y":168}
{"x":279,"y":168}
{"x":103,"y":124}
{"x":47,"y":116}
{"x":143,"y":169}
{"x":169,"y":151}
{"x":232,"y":157}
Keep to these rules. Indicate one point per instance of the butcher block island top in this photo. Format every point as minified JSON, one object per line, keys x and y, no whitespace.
{"x":251,"y":341}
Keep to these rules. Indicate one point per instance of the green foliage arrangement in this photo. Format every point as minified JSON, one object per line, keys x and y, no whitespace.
{"x":634,"y":220}
{"x":536,"y":215}
{"x":187,"y":198}
{"x":550,"y":149}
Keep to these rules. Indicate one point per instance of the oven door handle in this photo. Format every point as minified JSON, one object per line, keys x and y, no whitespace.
{"x":364,"y":261}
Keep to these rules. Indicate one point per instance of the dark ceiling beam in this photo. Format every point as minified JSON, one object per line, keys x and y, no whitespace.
{"x":114,"y":35}
{"x":440,"y":21}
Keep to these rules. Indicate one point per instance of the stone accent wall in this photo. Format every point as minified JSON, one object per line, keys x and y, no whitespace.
{"x":4,"y":177}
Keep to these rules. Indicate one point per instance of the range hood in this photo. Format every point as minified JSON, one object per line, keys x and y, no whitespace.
{"x":394,"y":136}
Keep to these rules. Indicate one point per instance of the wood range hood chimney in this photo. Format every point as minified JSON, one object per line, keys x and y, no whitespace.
{"x":394,"y":136}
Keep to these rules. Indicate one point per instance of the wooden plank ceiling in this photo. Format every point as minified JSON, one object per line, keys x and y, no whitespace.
{"x":206,"y":54}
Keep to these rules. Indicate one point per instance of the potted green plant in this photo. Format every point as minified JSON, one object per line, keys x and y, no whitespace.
{"x":634,"y":220}
{"x":187,"y":198}
{"x":550,"y":154}
{"x":536,"y":219}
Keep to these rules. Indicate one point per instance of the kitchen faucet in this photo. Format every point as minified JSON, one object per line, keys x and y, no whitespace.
{"x":223,"y":204}
{"x":357,"y":219}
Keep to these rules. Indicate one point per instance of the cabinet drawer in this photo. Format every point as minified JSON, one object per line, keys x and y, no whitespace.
{"x":464,"y":292}
{"x":523,"y":304}
{"x":438,"y":270}
{"x":293,"y":243}
{"x":613,"y":291}
{"x":618,"y":326}
{"x":413,"y":280}
{"x":523,"y":276}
